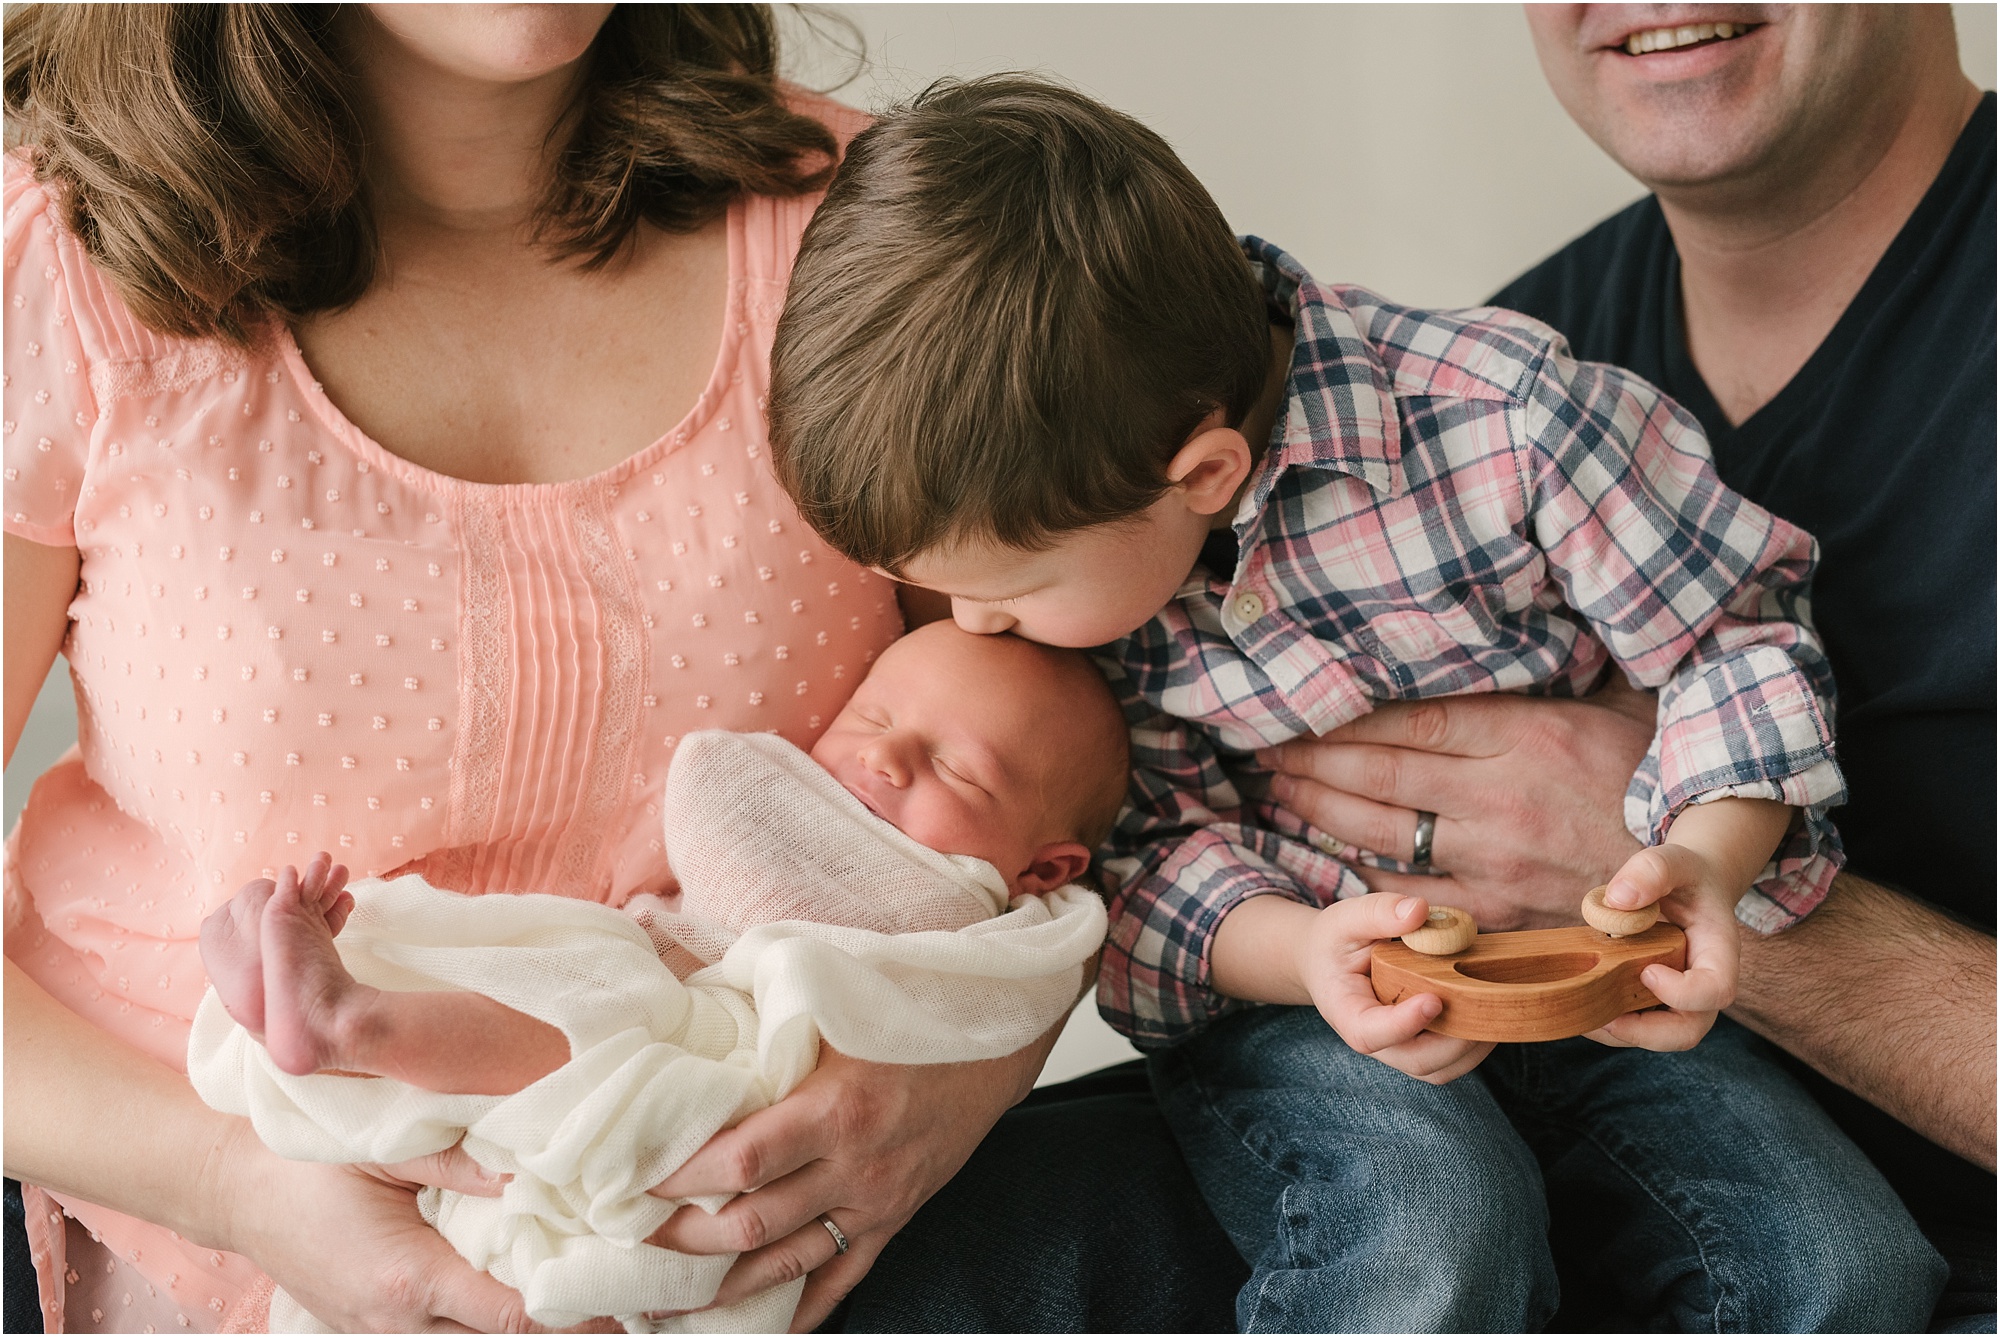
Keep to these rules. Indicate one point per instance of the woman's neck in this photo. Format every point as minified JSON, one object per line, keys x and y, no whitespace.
{"x":449,"y":156}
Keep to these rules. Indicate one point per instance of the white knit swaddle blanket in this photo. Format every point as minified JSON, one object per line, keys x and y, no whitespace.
{"x":768,"y":848}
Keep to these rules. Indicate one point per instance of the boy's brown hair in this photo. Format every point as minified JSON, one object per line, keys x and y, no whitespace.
{"x":1012,"y":309}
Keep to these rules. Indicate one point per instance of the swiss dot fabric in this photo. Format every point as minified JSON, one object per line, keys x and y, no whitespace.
{"x":288,"y":639}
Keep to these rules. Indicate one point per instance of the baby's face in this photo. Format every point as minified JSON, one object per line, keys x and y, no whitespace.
{"x":953,"y":739}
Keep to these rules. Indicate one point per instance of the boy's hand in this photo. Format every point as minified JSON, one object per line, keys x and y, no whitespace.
{"x":1691,"y":892}
{"x":1333,"y":965}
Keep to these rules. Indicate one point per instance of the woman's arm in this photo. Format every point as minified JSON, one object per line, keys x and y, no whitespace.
{"x":41,"y":581}
{"x":864,"y":1143}
{"x":89,"y":1116}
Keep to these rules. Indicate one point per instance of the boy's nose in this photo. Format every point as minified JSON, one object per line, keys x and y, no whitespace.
{"x":981,"y":619}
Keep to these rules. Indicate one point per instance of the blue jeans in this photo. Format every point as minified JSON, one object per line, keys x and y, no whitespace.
{"x":1702,"y":1191}
{"x":1076,"y":1214}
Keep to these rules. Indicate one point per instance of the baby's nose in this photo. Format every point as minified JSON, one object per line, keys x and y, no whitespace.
{"x":981,"y":619}
{"x":886,"y":759}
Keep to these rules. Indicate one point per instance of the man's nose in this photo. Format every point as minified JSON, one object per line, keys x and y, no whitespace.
{"x":981,"y":619}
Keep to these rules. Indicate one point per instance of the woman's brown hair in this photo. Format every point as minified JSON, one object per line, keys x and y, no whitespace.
{"x":210,"y":159}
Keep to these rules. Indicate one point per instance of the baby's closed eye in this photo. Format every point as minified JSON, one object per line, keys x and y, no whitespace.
{"x":951,"y":772}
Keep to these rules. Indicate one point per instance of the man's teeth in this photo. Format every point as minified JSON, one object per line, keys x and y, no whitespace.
{"x":1666,"y":39}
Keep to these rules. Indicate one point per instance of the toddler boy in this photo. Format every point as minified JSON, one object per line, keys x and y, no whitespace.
{"x":966,"y":774}
{"x":1024,"y":363}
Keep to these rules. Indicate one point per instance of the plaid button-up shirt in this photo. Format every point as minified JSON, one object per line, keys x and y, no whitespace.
{"x":1449,"y":504}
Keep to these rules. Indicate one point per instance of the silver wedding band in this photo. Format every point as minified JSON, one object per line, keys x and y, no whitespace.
{"x":1427,"y":823}
{"x":839,"y":1240}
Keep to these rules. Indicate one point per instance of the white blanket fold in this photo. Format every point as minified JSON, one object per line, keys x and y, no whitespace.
{"x":817,"y":920}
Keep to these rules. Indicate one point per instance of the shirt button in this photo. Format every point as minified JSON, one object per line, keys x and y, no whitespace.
{"x":1249,"y":606}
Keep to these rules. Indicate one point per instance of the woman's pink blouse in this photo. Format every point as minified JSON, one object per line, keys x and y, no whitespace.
{"x":287,"y":639}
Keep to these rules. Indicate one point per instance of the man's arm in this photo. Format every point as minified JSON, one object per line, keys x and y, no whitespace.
{"x":1889,"y":998}
{"x":1881,"y":993}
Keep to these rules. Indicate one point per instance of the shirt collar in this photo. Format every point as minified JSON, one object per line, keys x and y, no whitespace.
{"x":1339,"y":413}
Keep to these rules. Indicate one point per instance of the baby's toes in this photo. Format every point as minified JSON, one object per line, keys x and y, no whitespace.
{"x":337,"y":913}
{"x":331,"y":887}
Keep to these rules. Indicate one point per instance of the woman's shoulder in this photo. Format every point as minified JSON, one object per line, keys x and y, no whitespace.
{"x":846,"y":122}
{"x":63,"y":284}
{"x":73,"y":351}
{"x":773,"y":224}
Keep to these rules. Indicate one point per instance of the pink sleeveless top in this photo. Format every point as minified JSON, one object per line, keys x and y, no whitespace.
{"x":288,"y":639}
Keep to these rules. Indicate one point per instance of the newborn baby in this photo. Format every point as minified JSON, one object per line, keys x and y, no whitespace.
{"x":854,"y":900}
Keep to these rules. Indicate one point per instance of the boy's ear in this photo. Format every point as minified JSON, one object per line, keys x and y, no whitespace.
{"x":1211,"y":467}
{"x":1053,"y":866}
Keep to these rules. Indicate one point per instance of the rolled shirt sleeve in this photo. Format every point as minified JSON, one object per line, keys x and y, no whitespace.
{"x":1701,"y":595}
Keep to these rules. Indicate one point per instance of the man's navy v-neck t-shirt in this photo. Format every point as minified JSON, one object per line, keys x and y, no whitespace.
{"x":1883,"y":447}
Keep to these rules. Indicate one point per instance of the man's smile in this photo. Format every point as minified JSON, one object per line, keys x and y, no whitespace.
{"x":1644,"y":41}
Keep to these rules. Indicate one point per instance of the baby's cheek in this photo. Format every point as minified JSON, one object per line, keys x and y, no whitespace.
{"x":938,"y":823}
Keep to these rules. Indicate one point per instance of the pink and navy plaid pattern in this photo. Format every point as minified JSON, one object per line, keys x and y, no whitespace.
{"x":1449,"y":504}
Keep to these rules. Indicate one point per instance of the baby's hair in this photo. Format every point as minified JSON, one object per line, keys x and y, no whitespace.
{"x":1012,"y":309}
{"x":1099,"y":750}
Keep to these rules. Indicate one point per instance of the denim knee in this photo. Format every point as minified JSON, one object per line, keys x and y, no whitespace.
{"x":1364,"y":1200}
{"x":1865,"y":1272}
{"x":1465,"y":1253}
{"x":1706,"y":1191}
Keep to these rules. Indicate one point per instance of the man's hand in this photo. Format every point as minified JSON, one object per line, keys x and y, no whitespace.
{"x":1528,"y":791}
{"x":1333,"y":957}
{"x":864,"y":1143}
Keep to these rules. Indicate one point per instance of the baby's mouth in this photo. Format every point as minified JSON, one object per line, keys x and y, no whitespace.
{"x":1681,"y":36}
{"x":866,"y":801}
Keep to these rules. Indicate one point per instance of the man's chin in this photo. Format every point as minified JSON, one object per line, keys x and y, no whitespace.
{"x":1697,"y":133}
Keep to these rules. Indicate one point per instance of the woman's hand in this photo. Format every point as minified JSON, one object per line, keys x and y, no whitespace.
{"x":864,"y":1143}
{"x":1528,"y":792}
{"x":448,"y":1169}
{"x":347,"y":1243}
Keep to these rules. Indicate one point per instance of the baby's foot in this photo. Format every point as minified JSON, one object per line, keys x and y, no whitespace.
{"x":232,"y":953}
{"x":308,"y":995}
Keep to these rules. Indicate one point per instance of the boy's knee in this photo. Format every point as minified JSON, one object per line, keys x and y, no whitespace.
{"x":1456,"y":1243}
{"x":1874,"y":1272}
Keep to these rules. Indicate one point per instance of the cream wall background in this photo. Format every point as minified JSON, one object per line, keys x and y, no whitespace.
{"x":1411,"y":148}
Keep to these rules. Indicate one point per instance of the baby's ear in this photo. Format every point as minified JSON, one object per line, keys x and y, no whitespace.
{"x":1053,"y":866}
